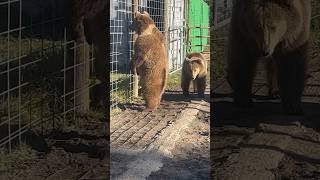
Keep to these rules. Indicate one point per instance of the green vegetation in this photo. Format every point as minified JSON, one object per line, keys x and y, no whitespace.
{"x":17,"y":159}
{"x":120,"y":87}
{"x":27,"y":45}
{"x":174,"y":80}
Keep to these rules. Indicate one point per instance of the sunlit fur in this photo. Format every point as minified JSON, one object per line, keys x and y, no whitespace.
{"x":150,"y":60}
{"x":194,"y":70}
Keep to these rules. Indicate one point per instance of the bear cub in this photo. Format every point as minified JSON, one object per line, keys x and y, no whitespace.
{"x":150,"y":60}
{"x":194,"y":69}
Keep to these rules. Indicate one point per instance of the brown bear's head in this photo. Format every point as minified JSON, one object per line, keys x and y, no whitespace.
{"x":142,"y":22}
{"x":267,"y":24}
{"x":193,"y":66}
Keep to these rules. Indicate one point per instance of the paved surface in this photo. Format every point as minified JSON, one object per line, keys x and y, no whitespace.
{"x":262,"y":143}
{"x":144,"y":145}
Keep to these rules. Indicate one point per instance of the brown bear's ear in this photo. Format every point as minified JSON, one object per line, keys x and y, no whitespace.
{"x":137,"y":13}
{"x":146,"y":13}
{"x":199,"y":61}
{"x":187,"y":59}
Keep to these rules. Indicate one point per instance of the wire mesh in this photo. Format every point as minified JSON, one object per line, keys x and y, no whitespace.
{"x":222,"y":12}
{"x":120,"y":51}
{"x":37,"y":69}
{"x":177,"y":34}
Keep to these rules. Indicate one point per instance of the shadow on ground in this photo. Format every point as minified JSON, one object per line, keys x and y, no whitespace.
{"x":170,"y":96}
{"x":232,"y":129}
{"x":139,"y":165}
{"x":266,"y":110}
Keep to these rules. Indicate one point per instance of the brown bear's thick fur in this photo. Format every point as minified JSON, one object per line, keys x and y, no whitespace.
{"x":194,"y":69}
{"x":150,"y":59}
{"x":277,"y":28}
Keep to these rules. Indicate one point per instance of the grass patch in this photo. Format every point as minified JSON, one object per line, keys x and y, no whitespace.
{"x":174,"y":80}
{"x":28,"y":46}
{"x":115,"y":111}
{"x":121,"y":91}
{"x":17,"y":159}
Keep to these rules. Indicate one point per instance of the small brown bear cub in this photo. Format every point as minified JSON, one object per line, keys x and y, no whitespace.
{"x":150,"y":60}
{"x":194,"y":69}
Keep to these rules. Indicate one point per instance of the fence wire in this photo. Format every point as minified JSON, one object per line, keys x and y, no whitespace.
{"x":37,"y":70}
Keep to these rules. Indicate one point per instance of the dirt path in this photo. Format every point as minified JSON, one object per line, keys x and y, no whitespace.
{"x":157,"y":145}
{"x":69,"y":155}
{"x":262,"y":143}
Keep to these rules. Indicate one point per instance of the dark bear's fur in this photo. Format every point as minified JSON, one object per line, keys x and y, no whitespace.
{"x":86,"y":24}
{"x":272,"y":78}
{"x":150,"y":60}
{"x":277,"y":28}
{"x":194,"y":69}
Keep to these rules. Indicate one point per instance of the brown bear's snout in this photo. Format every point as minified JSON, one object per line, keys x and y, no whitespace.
{"x":265,"y":50}
{"x":194,"y":77}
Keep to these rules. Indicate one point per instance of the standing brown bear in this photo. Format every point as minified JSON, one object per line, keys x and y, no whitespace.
{"x":150,"y":59}
{"x":194,"y":69}
{"x":277,"y":28}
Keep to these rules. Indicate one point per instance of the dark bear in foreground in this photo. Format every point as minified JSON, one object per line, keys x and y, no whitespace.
{"x":194,"y":69}
{"x":277,"y":28}
{"x":150,"y":60}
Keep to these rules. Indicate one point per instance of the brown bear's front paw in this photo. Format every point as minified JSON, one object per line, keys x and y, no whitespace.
{"x":149,"y":109}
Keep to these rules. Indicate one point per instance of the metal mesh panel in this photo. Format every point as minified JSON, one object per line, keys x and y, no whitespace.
{"x":120,"y":51}
{"x":37,"y":69}
{"x":222,"y":12}
{"x":176,"y":35}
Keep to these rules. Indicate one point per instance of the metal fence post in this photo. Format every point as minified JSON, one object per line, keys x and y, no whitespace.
{"x":166,"y":23}
{"x":188,"y":27}
{"x":135,"y":76}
